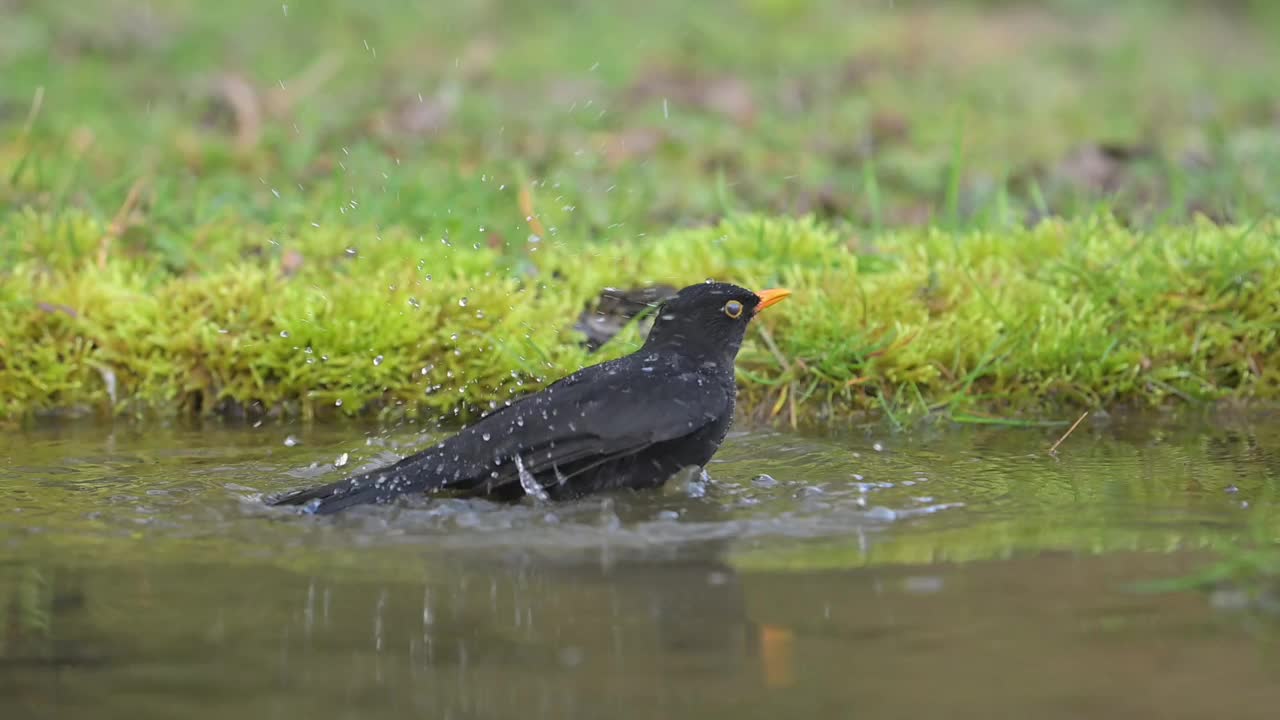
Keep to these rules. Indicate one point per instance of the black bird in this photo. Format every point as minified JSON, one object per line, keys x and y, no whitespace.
{"x":632,"y":422}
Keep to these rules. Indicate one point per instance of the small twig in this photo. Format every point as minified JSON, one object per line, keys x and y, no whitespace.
{"x":791,"y":402}
{"x":525,"y":198}
{"x":37,"y":102}
{"x":1053,"y":450}
{"x":246,"y":107}
{"x":786,"y":368}
{"x":120,"y":222}
{"x":283,"y":99}
{"x":773,"y":348}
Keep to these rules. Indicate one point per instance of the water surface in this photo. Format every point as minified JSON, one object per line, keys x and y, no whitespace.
{"x":959,"y":572}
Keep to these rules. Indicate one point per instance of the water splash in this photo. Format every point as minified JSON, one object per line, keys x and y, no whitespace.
{"x":529,"y":482}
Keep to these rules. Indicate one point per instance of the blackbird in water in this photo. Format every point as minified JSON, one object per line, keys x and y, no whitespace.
{"x":632,"y":422}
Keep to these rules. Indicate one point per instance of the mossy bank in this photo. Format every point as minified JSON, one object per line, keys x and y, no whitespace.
{"x":304,"y":321}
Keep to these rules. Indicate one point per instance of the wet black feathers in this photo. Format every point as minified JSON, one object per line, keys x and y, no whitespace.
{"x":630,"y":422}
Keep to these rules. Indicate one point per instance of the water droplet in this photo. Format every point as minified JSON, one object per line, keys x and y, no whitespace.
{"x":284,"y":333}
{"x":290,"y":441}
{"x":337,"y":403}
{"x":480,"y":314}
{"x":764,"y":481}
{"x":342,"y":460}
{"x":352,"y":252}
{"x":485,"y":436}
{"x":413,"y":303}
{"x":462,"y":301}
{"x":308,"y":350}
{"x":880,"y":512}
{"x":377,"y":361}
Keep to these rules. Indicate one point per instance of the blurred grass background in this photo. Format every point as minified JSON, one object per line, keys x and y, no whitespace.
{"x":621,"y":119}
{"x":173,"y":172}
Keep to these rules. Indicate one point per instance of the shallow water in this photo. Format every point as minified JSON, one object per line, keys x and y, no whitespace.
{"x":945,"y":573}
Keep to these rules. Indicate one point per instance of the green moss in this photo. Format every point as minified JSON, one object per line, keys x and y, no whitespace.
{"x":182,"y":216}
{"x":1082,"y":314}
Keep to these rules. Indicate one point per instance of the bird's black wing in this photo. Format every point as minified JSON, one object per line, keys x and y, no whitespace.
{"x":603,"y":412}
{"x":610,"y":419}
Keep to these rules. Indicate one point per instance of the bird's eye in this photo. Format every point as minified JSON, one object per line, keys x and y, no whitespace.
{"x":733,"y":309}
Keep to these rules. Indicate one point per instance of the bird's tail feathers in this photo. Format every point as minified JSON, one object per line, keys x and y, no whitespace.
{"x":374,"y":487}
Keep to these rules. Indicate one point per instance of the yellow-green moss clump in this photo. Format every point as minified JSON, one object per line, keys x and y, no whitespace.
{"x":311,"y":322}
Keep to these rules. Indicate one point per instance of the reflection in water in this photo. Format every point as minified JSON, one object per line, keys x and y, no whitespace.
{"x":959,"y":575}
{"x":476,"y":636}
{"x":680,"y":635}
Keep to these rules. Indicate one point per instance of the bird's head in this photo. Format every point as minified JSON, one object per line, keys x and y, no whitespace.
{"x":709,"y":320}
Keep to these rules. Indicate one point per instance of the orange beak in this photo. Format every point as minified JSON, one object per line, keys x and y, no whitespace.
{"x":771,"y":297}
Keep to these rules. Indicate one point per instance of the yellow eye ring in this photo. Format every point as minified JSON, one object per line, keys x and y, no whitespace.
{"x":733,"y":309}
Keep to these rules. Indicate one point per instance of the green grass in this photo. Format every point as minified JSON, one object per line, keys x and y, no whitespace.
{"x":183,"y":182}
{"x":638,"y":118}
